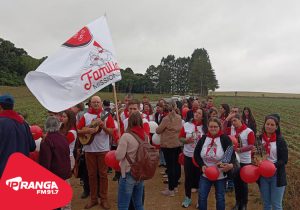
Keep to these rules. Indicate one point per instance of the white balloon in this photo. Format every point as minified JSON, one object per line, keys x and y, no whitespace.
{"x":156,"y":139}
{"x":237,"y":157}
{"x":38,"y":144}
{"x":153,"y":125}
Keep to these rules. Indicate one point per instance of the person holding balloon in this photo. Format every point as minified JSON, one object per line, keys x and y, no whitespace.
{"x":190,"y":133}
{"x":272,"y":188}
{"x":129,"y":188}
{"x":214,"y":154}
{"x":246,"y":140}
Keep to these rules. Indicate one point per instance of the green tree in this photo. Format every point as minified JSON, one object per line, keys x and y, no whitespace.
{"x":15,"y":63}
{"x":182,"y":70}
{"x":201,"y":75}
{"x":152,"y":79}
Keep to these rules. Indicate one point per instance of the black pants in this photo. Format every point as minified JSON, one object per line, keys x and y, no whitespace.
{"x":240,"y":187}
{"x":173,"y":167}
{"x":83,"y":174}
{"x":192,"y":176}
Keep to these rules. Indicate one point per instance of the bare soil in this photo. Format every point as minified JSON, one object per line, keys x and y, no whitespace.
{"x":154,"y":200}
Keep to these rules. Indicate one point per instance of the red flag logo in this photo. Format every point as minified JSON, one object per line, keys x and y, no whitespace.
{"x":81,"y":38}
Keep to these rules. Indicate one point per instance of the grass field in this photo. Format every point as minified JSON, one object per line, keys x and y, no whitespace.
{"x":261,"y":105}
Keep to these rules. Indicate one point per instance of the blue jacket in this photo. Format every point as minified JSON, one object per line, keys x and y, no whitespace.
{"x":15,"y":136}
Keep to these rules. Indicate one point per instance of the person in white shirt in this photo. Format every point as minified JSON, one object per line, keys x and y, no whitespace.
{"x":96,"y":151}
{"x":212,"y":150}
{"x":191,"y":132}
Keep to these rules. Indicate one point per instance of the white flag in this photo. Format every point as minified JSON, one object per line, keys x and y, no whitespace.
{"x":83,"y":65}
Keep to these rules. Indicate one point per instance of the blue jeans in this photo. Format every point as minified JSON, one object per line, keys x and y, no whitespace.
{"x":129,"y":189}
{"x":204,"y":189}
{"x":271,"y":194}
{"x":161,"y":158}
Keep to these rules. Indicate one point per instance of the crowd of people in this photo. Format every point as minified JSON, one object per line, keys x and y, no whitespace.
{"x":77,"y":140}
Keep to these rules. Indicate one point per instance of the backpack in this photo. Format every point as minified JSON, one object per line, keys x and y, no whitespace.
{"x":146,"y":160}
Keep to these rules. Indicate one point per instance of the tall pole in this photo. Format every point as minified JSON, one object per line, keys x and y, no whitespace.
{"x":117,"y":108}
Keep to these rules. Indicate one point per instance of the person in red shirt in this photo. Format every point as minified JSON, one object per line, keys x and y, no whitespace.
{"x":96,"y":151}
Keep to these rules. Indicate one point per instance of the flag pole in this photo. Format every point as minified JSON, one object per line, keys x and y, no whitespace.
{"x":117,"y":108}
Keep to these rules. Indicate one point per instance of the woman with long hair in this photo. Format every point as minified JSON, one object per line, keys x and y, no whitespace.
{"x":212,"y":112}
{"x":246,"y":140}
{"x":214,"y":149}
{"x":170,"y":145}
{"x":224,"y":112}
{"x":148,"y":111}
{"x":129,"y":188}
{"x":272,"y":189}
{"x":248,"y":119}
{"x":224,"y":118}
{"x":68,"y":129}
{"x":191,"y":132}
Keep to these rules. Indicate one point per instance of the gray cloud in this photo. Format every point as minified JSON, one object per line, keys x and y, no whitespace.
{"x":253,"y":45}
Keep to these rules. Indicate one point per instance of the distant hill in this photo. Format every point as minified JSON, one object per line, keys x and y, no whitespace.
{"x":15,"y":63}
{"x":254,"y":94}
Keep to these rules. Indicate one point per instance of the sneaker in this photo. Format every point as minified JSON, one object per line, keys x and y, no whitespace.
{"x":194,"y":190}
{"x":186,"y":202}
{"x":175,"y":189}
{"x":167,"y":192}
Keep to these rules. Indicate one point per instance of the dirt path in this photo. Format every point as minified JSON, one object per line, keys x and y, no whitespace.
{"x":155,"y":201}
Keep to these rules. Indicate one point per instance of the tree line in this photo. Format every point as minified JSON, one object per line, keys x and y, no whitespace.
{"x":186,"y":75}
{"x":183,"y":75}
{"x":15,"y":63}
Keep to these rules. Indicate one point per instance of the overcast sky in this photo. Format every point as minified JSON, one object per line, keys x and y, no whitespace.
{"x":253,"y":45}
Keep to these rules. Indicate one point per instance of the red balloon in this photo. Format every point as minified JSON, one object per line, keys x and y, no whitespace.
{"x":36,"y":132}
{"x":184,"y":112}
{"x":195,"y":163}
{"x":249,"y":173}
{"x":111,"y":161}
{"x":212,"y":173}
{"x":267,"y":168}
{"x":181,"y":159}
{"x":234,"y":141}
